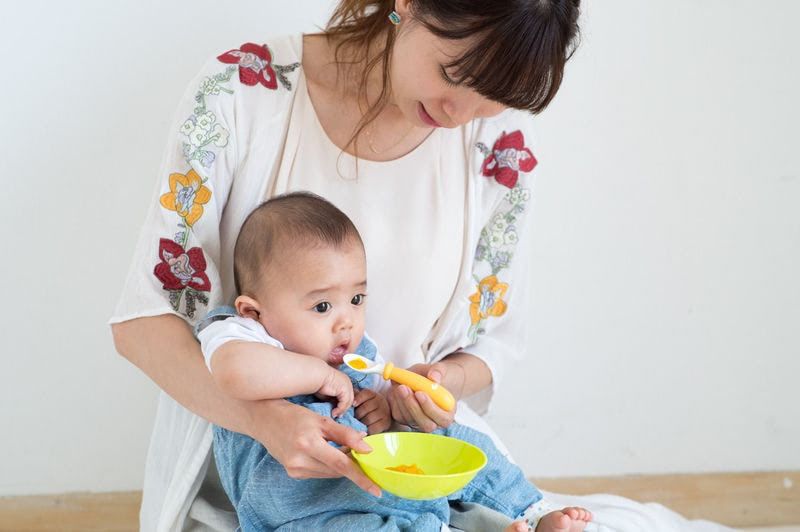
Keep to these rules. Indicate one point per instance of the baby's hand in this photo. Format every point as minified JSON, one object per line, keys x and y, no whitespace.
{"x":338,"y":385}
{"x":372,"y":409}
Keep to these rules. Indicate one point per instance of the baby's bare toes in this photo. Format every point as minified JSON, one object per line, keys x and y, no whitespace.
{"x":518,"y":526}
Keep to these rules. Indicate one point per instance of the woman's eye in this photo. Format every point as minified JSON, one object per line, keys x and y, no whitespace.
{"x":323,"y":307}
{"x":358,"y":299}
{"x":447,"y":79}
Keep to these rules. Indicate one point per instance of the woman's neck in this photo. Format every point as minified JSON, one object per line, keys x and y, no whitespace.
{"x":344,"y":74}
{"x":334,"y":88}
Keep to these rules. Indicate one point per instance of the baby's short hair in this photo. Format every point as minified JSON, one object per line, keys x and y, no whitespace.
{"x":283,"y":224}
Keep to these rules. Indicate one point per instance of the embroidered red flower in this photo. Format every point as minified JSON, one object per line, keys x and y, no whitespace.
{"x":507,"y":159}
{"x":179,"y":269}
{"x":255,"y":64}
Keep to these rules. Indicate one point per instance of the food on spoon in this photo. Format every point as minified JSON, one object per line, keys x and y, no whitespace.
{"x":357,"y":363}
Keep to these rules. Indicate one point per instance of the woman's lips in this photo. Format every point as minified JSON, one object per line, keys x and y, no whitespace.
{"x":425,"y":117}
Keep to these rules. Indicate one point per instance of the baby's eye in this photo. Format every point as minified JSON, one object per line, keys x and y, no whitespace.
{"x":358,"y":299}
{"x":323,"y":307}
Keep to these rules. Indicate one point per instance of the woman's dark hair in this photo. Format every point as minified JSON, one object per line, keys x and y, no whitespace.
{"x":516,"y":57}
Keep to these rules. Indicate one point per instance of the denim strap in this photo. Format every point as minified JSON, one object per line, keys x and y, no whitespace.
{"x":220,"y":313}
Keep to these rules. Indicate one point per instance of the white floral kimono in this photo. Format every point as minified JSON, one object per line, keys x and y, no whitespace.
{"x":227,"y":154}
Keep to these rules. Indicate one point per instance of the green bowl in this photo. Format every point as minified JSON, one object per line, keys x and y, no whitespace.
{"x":448,"y":464}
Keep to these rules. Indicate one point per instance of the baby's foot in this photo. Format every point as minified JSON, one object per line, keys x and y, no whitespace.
{"x":571,"y":519}
{"x":517,"y":526}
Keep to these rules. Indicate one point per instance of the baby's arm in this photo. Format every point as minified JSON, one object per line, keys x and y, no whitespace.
{"x":247,"y":364}
{"x":251,"y":370}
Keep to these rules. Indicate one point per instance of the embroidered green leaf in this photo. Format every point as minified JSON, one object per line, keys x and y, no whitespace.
{"x":493,"y":254}
{"x":175,"y":299}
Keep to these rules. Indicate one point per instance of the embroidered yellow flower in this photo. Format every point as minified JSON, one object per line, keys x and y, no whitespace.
{"x":488,"y":300}
{"x":187,"y":196}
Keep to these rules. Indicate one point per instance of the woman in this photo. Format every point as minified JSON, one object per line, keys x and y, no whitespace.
{"x":414,"y":118}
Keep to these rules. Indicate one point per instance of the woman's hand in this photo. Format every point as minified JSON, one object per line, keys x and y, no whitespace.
{"x":416,"y":409}
{"x":298,"y":439}
{"x":372,"y":409}
{"x":164,"y":348}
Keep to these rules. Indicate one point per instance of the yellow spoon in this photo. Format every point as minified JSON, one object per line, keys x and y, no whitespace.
{"x":443,"y":398}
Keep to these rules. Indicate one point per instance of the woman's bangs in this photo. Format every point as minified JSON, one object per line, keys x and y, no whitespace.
{"x":518,"y":63}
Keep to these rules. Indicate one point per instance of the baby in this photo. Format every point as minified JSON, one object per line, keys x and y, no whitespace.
{"x":300,"y":272}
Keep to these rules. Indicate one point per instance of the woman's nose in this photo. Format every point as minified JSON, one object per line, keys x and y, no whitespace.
{"x":470,"y":106}
{"x":459,"y":113}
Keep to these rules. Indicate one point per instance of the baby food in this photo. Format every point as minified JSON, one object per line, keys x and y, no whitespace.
{"x":408,"y":469}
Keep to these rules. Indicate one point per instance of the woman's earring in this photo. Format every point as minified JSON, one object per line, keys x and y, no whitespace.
{"x":394,"y":17}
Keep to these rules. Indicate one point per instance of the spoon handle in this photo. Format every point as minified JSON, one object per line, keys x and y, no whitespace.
{"x":440,"y":395}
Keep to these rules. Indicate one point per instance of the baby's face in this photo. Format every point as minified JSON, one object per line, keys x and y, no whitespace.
{"x":314,"y":305}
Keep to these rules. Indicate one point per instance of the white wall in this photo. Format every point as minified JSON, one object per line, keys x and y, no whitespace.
{"x":666,"y":310}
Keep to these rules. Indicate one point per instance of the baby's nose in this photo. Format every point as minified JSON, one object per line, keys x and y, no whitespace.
{"x":345,"y":322}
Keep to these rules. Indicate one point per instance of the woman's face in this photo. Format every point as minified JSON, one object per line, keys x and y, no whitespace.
{"x":419,"y":86}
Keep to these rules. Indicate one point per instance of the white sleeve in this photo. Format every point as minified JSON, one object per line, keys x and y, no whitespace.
{"x":181,"y":264}
{"x":500,"y":324}
{"x":501,"y":269}
{"x":176,"y":265}
{"x":231,"y":329}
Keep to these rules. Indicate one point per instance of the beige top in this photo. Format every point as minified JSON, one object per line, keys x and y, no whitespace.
{"x":410,"y":213}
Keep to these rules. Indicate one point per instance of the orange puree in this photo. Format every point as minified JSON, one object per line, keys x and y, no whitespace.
{"x":358,"y":364}
{"x":408,"y":469}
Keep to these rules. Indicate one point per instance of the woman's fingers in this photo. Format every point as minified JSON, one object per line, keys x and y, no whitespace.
{"x":402,"y":396}
{"x":397,"y":406}
{"x":417,"y":410}
{"x":344,"y":466}
{"x":421,"y":420}
{"x":340,"y":462}
{"x":442,"y":418}
{"x":332,"y":431}
{"x":303,"y":449}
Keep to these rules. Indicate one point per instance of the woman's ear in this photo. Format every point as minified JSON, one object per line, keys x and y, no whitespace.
{"x":247,"y":307}
{"x":402,"y":7}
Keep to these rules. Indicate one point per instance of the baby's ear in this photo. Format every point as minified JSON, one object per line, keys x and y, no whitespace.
{"x":247,"y":307}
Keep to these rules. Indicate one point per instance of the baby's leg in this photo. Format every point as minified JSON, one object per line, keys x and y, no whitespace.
{"x":502,"y":486}
{"x":361,"y":521}
{"x":472,"y":516}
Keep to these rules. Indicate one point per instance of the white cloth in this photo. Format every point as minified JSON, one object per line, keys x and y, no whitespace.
{"x":234,"y":144}
{"x":235,"y":328}
{"x":612,"y":513}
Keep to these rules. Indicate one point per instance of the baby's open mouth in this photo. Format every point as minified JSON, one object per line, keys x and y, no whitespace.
{"x":336,"y":356}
